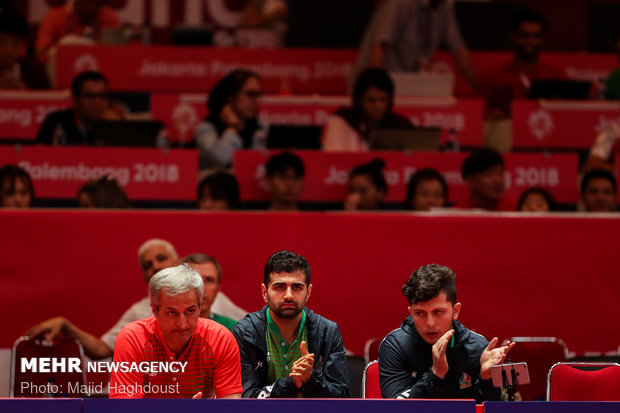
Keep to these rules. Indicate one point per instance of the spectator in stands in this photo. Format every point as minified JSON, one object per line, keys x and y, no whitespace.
{"x":367,"y":186}
{"x":16,"y":186}
{"x":77,"y":22}
{"x":432,"y":355}
{"x":16,"y":70}
{"x":348,"y":129}
{"x":512,"y":79}
{"x":74,"y":126}
{"x":153,"y":256}
{"x":211,"y":273}
{"x":218,"y":191}
{"x":426,"y":189}
{"x":285,"y":181}
{"x":246,"y":23}
{"x":536,"y":200}
{"x":263,"y":23}
{"x":612,"y":83}
{"x":403,"y":36}
{"x":286,"y":349}
{"x":599,"y":191}
{"x":483,"y":172}
{"x":104,"y":192}
{"x":232,"y":122}
{"x":176,"y":332}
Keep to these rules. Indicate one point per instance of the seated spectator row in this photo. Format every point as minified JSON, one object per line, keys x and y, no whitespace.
{"x":483,"y":172}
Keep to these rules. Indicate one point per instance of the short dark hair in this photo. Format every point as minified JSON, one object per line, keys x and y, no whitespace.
{"x":286,"y":261}
{"x":87,"y":76}
{"x":527,"y":15}
{"x":200,"y":258}
{"x":220,"y":186}
{"x":542,"y":192}
{"x":481,"y":160}
{"x":105,"y":192}
{"x":373,"y":77}
{"x":280,"y":163}
{"x":428,"y":281}
{"x":598,"y":174}
{"x":13,"y":23}
{"x":372,"y":170}
{"x":425,"y":174}
{"x":11,"y":173}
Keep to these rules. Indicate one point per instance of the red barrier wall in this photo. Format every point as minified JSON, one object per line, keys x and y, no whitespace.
{"x":518,"y":275}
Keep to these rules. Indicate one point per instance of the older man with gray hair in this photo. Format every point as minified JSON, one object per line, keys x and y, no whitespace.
{"x":206,"y":350}
{"x":154,"y":255}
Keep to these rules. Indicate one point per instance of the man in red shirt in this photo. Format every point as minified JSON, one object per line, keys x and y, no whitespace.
{"x":513,"y":79}
{"x":176,"y":353}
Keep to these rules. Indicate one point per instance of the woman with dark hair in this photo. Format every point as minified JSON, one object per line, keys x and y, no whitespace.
{"x":426,"y":189}
{"x":232,"y":122}
{"x":16,"y":189}
{"x":367,"y":186}
{"x":348,"y":129}
{"x":536,"y":200}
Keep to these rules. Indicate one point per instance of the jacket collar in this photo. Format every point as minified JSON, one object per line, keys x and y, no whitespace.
{"x":258,"y":320}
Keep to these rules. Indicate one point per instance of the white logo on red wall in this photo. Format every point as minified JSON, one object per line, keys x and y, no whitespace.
{"x":185,"y":119}
{"x":85,"y":62}
{"x":540,"y":123}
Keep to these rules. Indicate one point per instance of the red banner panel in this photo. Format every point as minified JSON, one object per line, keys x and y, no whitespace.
{"x":197,"y":69}
{"x":182,"y":112}
{"x":21,"y":113}
{"x":560,"y":124}
{"x":327,"y":173}
{"x":517,"y":275}
{"x":145,"y":174}
{"x":297,"y":71}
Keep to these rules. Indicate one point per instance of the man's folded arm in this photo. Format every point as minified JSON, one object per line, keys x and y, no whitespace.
{"x":93,"y":346}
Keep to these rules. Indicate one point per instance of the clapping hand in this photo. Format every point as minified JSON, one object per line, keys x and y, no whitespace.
{"x":440,"y":362}
{"x":492,"y":356}
{"x":302,"y":367}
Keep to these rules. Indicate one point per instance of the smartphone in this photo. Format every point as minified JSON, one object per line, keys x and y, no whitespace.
{"x":503,"y":374}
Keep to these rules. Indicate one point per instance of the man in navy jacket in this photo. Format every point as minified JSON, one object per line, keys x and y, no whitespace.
{"x":432,"y":355}
{"x":286,"y":349}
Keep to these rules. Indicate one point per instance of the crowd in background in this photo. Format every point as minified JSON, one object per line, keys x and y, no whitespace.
{"x":401,"y":36}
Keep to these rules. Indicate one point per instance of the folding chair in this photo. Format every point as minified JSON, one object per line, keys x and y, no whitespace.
{"x":540,"y":353}
{"x":56,"y":384}
{"x":370,"y":381}
{"x":584,"y":382}
{"x":371,"y":349}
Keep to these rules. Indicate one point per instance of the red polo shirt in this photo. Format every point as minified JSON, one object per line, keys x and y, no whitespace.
{"x":62,"y":20}
{"x":212,"y":355}
{"x":511,"y":81}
